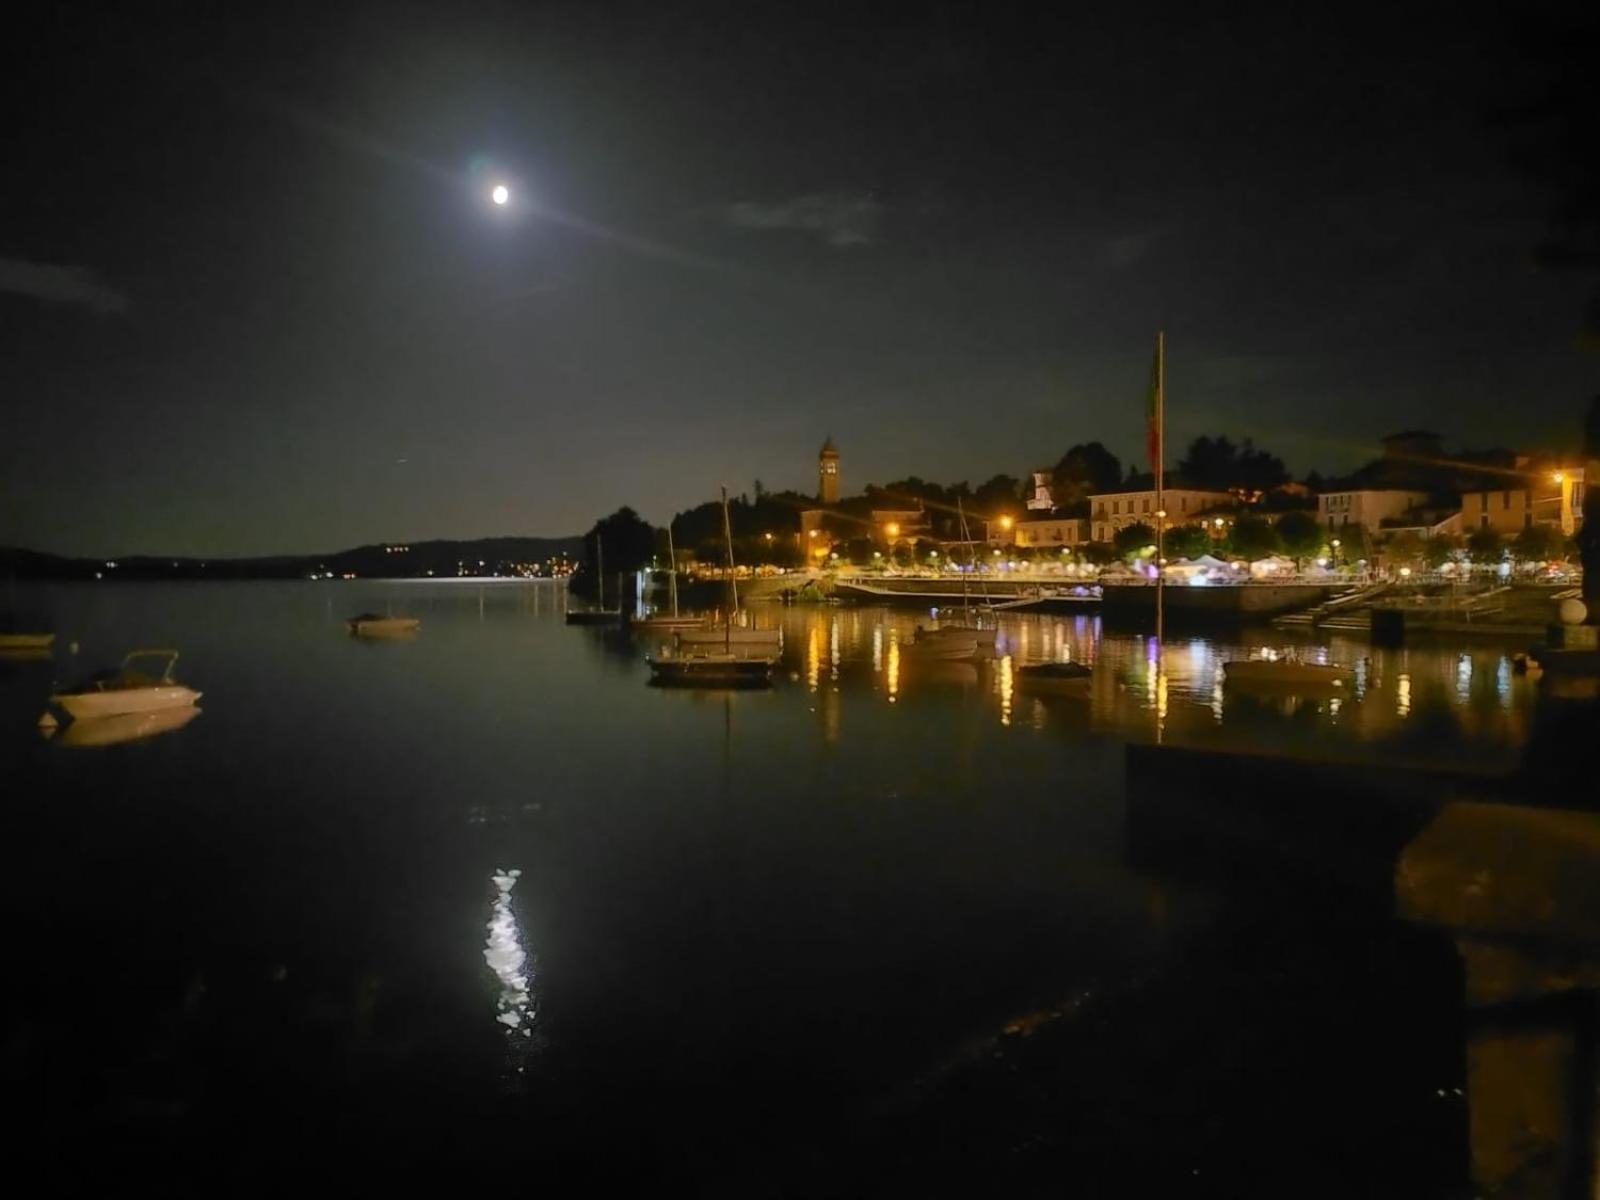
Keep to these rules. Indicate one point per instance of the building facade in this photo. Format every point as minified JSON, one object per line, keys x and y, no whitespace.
{"x":1111,"y":511}
{"x":828,"y":473}
{"x":1366,"y":507}
{"x":1553,"y":498}
{"x":1060,"y":533}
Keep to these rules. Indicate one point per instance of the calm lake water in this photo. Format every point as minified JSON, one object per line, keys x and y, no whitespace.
{"x":485,"y":898}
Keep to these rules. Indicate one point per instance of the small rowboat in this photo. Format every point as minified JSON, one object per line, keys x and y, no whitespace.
{"x":374,"y":626}
{"x":128,"y":691}
{"x":1284,"y":673}
{"x":1059,"y":678}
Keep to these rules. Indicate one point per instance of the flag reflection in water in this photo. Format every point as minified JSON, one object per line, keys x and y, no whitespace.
{"x":506,"y":957}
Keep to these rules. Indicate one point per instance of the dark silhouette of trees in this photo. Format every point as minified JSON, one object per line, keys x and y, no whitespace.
{"x":1252,"y":538}
{"x":1301,"y":533}
{"x":1131,"y":539}
{"x":627,"y":542}
{"x":1217,"y":464}
{"x":1486,"y":546}
{"x":1085,"y":469}
{"x":1186,"y":541}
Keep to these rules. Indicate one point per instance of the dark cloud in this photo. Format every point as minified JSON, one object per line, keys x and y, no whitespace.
{"x":60,"y":285}
{"x":838,"y":218}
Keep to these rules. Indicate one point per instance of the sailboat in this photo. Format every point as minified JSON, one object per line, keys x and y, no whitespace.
{"x":661,"y":621}
{"x":599,"y":615}
{"x":951,"y":639}
{"x":724,"y":663}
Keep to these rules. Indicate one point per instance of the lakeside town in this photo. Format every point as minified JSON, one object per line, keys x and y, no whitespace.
{"x":1461,"y":540}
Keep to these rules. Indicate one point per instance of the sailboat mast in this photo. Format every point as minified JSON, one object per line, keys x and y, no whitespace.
{"x":672,"y":576}
{"x":966,"y":600}
{"x":1161,"y":506}
{"x":600,"y":569}
{"x":733,"y":588}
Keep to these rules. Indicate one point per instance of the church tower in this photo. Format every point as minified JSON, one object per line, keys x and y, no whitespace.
{"x":828,"y":473}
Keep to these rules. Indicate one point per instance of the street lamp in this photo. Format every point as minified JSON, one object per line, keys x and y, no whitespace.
{"x":892,"y":529}
{"x":1006,"y":522}
{"x":501,"y":195}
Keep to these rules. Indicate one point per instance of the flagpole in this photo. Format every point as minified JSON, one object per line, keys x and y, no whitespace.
{"x":1161,"y":506}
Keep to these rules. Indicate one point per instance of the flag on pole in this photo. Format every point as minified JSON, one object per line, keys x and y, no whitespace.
{"x":1152,"y":429}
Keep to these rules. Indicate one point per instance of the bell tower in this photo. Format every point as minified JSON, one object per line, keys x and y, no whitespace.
{"x":828,"y":473}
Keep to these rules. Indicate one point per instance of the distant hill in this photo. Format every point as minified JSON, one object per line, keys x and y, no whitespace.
{"x":439,"y":559}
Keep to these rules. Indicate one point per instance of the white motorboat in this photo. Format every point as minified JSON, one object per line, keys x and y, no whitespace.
{"x":127,"y":690}
{"x":1285,"y":672}
{"x":952,"y":641}
{"x":128,"y":727}
{"x":374,"y":625}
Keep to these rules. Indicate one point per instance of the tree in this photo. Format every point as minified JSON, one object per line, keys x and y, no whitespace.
{"x":1258,"y":470}
{"x":998,"y":495}
{"x":1186,"y":541}
{"x":1486,"y":546}
{"x":858,"y":551}
{"x":1302,"y":535}
{"x":1440,"y":549}
{"x":1404,"y":549}
{"x":1099,"y":554}
{"x":1085,"y":469}
{"x":1537,"y":543}
{"x":1130,"y":540}
{"x":1217,"y":464}
{"x":925,"y":550}
{"x":1252,"y":538}
{"x":623,"y":541}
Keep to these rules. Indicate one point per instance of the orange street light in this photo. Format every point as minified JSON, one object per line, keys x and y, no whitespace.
{"x":811,"y":533}
{"x":1006,"y":522}
{"x":892,"y":529}
{"x":1559,"y":477}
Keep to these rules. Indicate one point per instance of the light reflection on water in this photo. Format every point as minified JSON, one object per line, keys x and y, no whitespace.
{"x":1177,"y":690}
{"x":698,"y":839}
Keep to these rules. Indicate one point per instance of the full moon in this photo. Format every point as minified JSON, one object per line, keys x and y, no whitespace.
{"x":501,"y":194}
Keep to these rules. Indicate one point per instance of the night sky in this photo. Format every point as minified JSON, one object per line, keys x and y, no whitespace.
{"x":254,"y":298}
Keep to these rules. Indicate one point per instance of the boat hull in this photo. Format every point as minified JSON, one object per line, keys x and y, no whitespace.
{"x":26,"y":641}
{"x":372,"y":627}
{"x":116,"y":702}
{"x":1048,"y":681}
{"x":128,"y":727}
{"x":711,"y":671}
{"x":1263,"y":673}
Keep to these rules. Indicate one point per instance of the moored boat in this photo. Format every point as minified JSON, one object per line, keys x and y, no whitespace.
{"x":373,"y":625}
{"x":1063,"y":678}
{"x":714,"y":635}
{"x":711,"y":669}
{"x":725,"y":657}
{"x":127,"y":690}
{"x":1284,"y":672}
{"x":127,"y":727}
